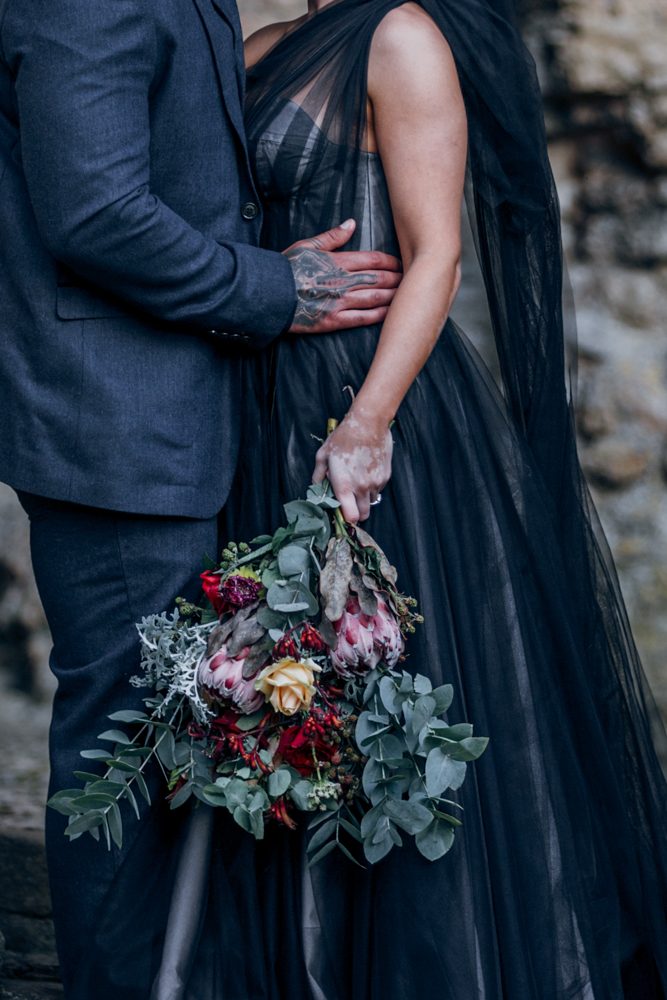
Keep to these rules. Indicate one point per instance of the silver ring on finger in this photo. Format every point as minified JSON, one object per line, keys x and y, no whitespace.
{"x":377,"y":500}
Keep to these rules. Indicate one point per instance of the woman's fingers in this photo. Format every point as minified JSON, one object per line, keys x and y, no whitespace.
{"x":321,"y":466}
{"x":348,"y":504}
{"x":363,"y":505}
{"x":369,"y":298}
{"x":370,"y":260}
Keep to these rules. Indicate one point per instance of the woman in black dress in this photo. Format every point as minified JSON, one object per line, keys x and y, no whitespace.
{"x":556,"y":887}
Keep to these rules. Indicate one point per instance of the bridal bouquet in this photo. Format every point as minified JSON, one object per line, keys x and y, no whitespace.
{"x":284,"y":696}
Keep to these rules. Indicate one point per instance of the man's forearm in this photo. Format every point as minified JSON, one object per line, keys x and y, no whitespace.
{"x":83,"y":73}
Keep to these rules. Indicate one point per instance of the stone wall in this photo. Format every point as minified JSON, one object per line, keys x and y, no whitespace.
{"x":603,"y":69}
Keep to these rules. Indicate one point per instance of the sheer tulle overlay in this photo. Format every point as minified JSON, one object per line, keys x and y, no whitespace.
{"x":556,"y":885}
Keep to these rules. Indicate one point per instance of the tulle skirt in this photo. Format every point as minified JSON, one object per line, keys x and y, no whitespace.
{"x":555,"y":886}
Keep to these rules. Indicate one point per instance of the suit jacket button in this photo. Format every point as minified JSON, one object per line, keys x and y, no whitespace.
{"x":249,"y":211}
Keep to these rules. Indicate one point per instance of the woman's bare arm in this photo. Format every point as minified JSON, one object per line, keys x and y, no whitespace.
{"x":420,"y":131}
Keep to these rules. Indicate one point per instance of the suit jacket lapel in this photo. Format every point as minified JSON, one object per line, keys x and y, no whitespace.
{"x":230,"y":12}
{"x":230,"y":73}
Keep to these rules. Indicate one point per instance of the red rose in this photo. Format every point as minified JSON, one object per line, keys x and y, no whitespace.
{"x":297,"y":749}
{"x":211,"y":586}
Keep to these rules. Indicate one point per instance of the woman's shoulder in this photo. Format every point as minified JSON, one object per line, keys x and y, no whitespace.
{"x":258,"y":44}
{"x":404,"y":32}
{"x":409,"y":52}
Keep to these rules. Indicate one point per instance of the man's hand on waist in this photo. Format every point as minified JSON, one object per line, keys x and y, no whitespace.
{"x":338,"y":291}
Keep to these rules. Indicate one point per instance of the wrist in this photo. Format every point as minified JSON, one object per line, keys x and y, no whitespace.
{"x":378,"y":415}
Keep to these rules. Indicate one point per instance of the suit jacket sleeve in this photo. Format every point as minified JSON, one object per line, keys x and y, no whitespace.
{"x":83,"y":71}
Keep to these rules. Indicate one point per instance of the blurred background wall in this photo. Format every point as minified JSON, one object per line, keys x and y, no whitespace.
{"x":603,"y":70}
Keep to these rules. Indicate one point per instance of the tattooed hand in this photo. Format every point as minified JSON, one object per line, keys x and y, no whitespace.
{"x":356,"y":459}
{"x":337,"y":291}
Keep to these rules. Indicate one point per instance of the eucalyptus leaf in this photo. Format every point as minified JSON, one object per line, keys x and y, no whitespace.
{"x":242,"y":817}
{"x":435,"y":840}
{"x":327,"y":849}
{"x":214,"y":796}
{"x":121,"y":765}
{"x":442,"y":772}
{"x":292,"y":596}
{"x":257,"y":799}
{"x":129,"y":794}
{"x":279,"y":782}
{"x":182,"y":753}
{"x":353,"y":831}
{"x":63,"y":806}
{"x":423,"y":710}
{"x":86,"y":776}
{"x":115,"y":736}
{"x":247,"y":722}
{"x":376,"y":852}
{"x":293,"y":561}
{"x":165,"y":747}
{"x":373,"y":772}
{"x":452,"y":820}
{"x":299,"y":794}
{"x":142,"y":786}
{"x":388,"y":694}
{"x":370,"y":739}
{"x":302,"y":508}
{"x":236,"y":792}
{"x":471,"y":748}
{"x":182,"y":795}
{"x":271,"y":574}
{"x":371,"y":820}
{"x":395,"y":835}
{"x":322,"y":834}
{"x":95,"y":754}
{"x":257,"y":823}
{"x":366,"y":729}
{"x":114,"y":788}
{"x":272,"y":619}
{"x":387,"y":747}
{"x":128,"y":715}
{"x":422,"y":684}
{"x":410,"y":816}
{"x":444,"y":696}
{"x":459,"y":732}
{"x":115,"y":825}
{"x":85,"y":822}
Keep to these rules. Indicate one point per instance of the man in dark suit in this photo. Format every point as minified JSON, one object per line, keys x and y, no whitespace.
{"x":129,"y":270}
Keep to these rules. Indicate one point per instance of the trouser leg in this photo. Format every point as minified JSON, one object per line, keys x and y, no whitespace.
{"x":98,"y":573}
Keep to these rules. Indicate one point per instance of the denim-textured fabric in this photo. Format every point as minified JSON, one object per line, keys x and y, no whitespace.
{"x":99,"y":572}
{"x":129,"y":274}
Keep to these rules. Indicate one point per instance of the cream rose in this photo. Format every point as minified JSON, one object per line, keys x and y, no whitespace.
{"x":288,"y":684}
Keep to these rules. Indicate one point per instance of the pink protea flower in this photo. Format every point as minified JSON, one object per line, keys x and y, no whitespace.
{"x":387,"y":637}
{"x":365,"y":640}
{"x":223,"y":678}
{"x":355,"y":652}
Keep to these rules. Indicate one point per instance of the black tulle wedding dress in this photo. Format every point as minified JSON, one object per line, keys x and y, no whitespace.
{"x":556,"y":886}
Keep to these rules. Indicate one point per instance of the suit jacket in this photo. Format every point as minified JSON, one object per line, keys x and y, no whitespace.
{"x":129,"y":267}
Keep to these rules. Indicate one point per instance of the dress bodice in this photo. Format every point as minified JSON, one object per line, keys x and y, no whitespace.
{"x":298,"y":170}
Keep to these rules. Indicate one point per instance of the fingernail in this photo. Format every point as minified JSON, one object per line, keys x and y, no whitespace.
{"x":348,"y":224}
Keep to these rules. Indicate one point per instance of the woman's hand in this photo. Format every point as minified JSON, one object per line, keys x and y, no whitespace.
{"x":356,"y":459}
